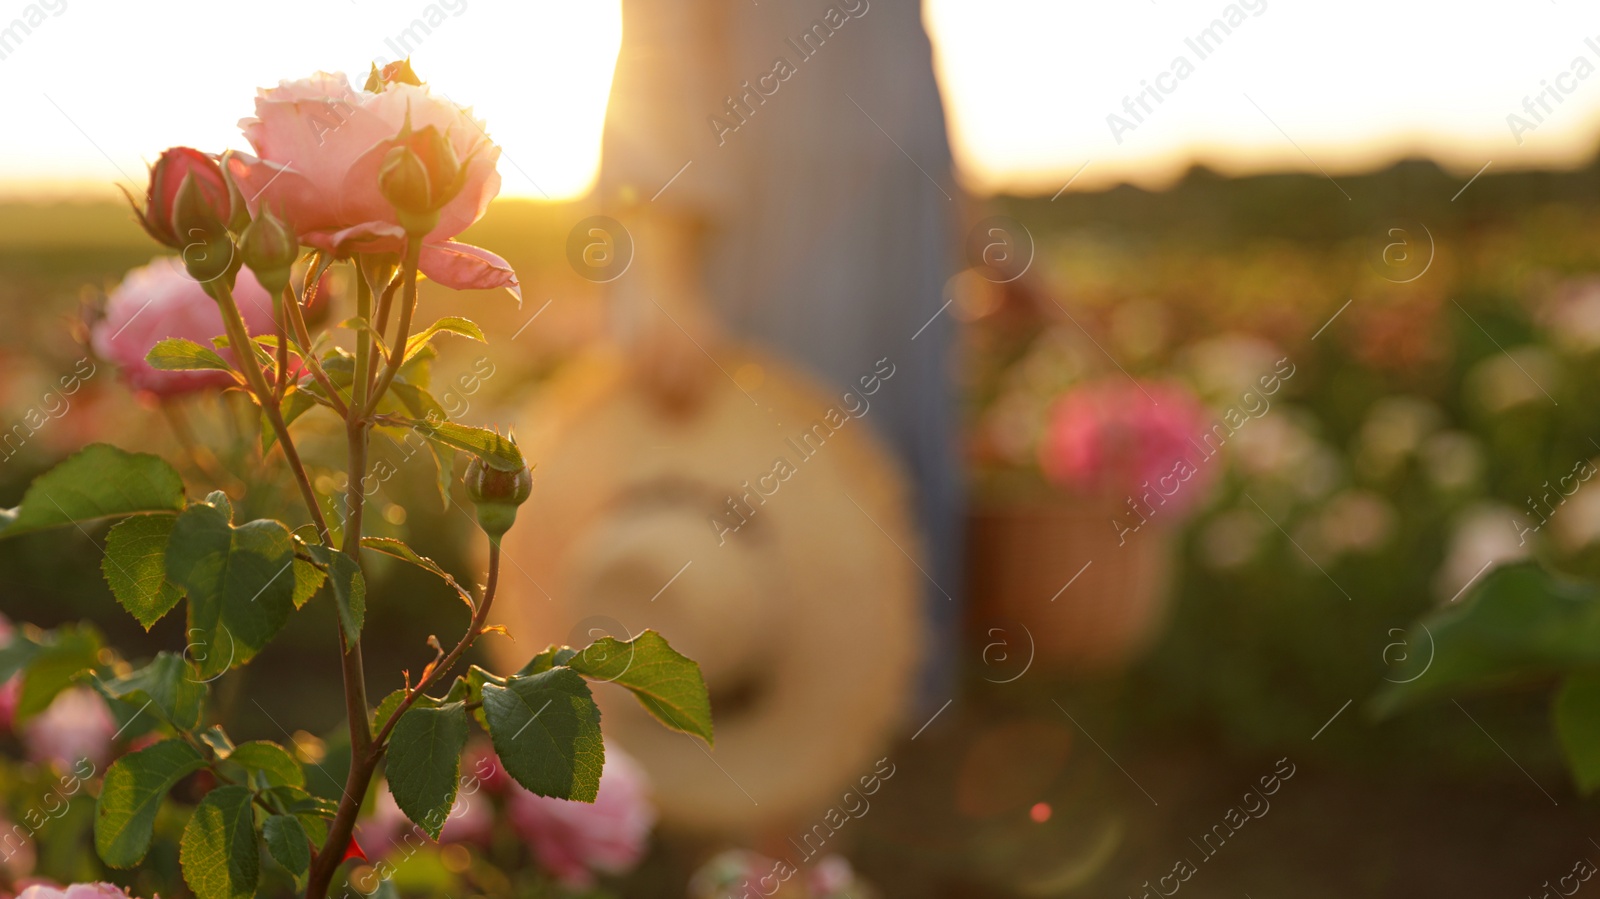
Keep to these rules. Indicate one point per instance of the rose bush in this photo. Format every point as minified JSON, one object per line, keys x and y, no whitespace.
{"x":378,"y":179}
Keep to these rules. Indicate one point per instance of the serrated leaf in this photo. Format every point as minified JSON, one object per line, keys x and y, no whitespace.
{"x":168,"y":685}
{"x":274,"y":763}
{"x":313,"y":812}
{"x":308,"y":579}
{"x":424,"y":761}
{"x":349,"y":588}
{"x":546,"y":729}
{"x":450,"y":324}
{"x":217,"y":738}
{"x":177,"y":354}
{"x":134,"y":787}
{"x":399,"y":550}
{"x":386,"y":709}
{"x":219,"y":851}
{"x":496,"y":451}
{"x":668,"y":684}
{"x":288,"y":843}
{"x":54,"y":666}
{"x":238,"y":580}
{"x":1519,"y":624}
{"x":100,"y":481}
{"x":135,"y":565}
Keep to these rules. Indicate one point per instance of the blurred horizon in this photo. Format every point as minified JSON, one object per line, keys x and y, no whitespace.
{"x":1031,"y":87}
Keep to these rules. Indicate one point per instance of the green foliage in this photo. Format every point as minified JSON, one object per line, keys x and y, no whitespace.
{"x":99,"y":481}
{"x":546,"y":729}
{"x":425,"y":760}
{"x":53,"y":665}
{"x":450,"y":324}
{"x":665,"y":682}
{"x":349,"y":588}
{"x":272,"y":762}
{"x":399,"y":550}
{"x":238,"y":581}
{"x":220,"y":851}
{"x":496,"y":450}
{"x":1519,"y":624}
{"x":177,"y":354}
{"x":168,"y":686}
{"x":288,"y":843}
{"x":131,"y":795}
{"x":1576,"y":714}
{"x":135,"y":565}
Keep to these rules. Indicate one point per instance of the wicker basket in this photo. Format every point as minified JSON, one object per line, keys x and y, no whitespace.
{"x":1028,"y":567}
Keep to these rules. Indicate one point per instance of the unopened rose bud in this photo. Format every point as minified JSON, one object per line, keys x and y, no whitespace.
{"x":269,"y":247}
{"x":497,"y":494}
{"x":206,"y":248}
{"x":161,"y":197}
{"x":420,"y":175}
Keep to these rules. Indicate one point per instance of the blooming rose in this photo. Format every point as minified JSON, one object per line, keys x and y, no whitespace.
{"x":320,"y":145}
{"x":76,"y":726}
{"x":572,"y":840}
{"x":75,"y":891}
{"x":1124,"y":438}
{"x":159,"y":301}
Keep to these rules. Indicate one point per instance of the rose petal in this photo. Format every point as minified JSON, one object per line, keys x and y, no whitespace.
{"x":465,"y":267}
{"x":368,"y":237}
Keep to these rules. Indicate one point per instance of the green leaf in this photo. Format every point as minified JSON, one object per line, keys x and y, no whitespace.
{"x":386,"y":709}
{"x":546,"y":730}
{"x":217,"y":738}
{"x":313,"y":812}
{"x":349,"y":588}
{"x":399,"y":550}
{"x":54,"y":666}
{"x":135,"y":784}
{"x":288,"y":843}
{"x":496,"y":451}
{"x":167,"y":685}
{"x":424,"y":761}
{"x":135,"y":565}
{"x":100,"y":481}
{"x":1576,"y":715}
{"x":666,"y":683}
{"x":219,"y":852}
{"x":308,"y":579}
{"x":452,"y":324}
{"x":274,"y":762}
{"x":177,"y":354}
{"x":239,"y":583}
{"x":1520,"y":624}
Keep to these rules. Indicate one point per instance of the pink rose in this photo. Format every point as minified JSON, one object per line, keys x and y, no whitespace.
{"x":1127,"y":439}
{"x":166,"y":176}
{"x":159,"y":301}
{"x":320,"y":145}
{"x":572,"y":840}
{"x":76,"y":726}
{"x":75,"y":891}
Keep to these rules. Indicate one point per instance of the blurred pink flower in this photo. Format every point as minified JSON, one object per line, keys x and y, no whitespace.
{"x":17,"y":852}
{"x":1122,"y":438}
{"x":161,"y":300}
{"x":75,"y":891}
{"x":572,"y":840}
{"x":76,"y":726}
{"x":471,"y":820}
{"x":321,"y":144}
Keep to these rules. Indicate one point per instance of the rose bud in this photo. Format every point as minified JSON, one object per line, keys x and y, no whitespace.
{"x":270,"y":249}
{"x":166,"y":177}
{"x":497,"y":494}
{"x":206,"y":249}
{"x":420,"y":176}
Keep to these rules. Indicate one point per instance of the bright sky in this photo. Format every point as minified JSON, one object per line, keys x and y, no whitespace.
{"x":97,"y":86}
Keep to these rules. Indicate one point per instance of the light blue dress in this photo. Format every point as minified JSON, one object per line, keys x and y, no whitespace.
{"x":817,"y":158}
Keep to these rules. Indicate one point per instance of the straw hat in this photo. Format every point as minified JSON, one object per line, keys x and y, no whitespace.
{"x":799,"y":607}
